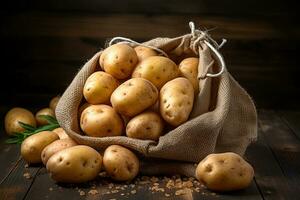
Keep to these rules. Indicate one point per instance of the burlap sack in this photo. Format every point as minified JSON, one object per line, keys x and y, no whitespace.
{"x":223,"y":118}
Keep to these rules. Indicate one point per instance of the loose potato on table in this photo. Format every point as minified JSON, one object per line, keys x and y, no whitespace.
{"x":101,"y":121}
{"x":61,"y":133}
{"x":53,"y":102}
{"x":225,"y":172}
{"x":16,"y":115}
{"x":144,"y":52}
{"x":98,"y":87}
{"x":134,"y":96}
{"x":189,"y":69}
{"x":32,"y":147}
{"x":120,"y":163}
{"x":157,"y":69}
{"x":75,"y":164}
{"x":55,"y":147}
{"x":119,"y":60}
{"x":145,"y":126}
{"x":176,"y":101}
{"x":45,"y":111}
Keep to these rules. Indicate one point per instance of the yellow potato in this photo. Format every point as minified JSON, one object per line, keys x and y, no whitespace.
{"x":75,"y":164}
{"x":225,"y":172}
{"x":145,"y":126}
{"x":176,"y":101}
{"x":98,"y":87}
{"x":144,"y":52}
{"x":61,"y":133}
{"x":101,"y":121}
{"x":82,"y":107}
{"x":45,"y":111}
{"x":134,"y":96}
{"x":157,"y":69}
{"x":32,"y":147}
{"x":16,"y":115}
{"x":55,"y":147}
{"x":120,"y":163}
{"x":119,"y":60}
{"x":53,"y":102}
{"x":189,"y":69}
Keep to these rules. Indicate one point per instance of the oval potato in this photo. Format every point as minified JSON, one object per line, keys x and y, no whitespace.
{"x":98,"y":87}
{"x":134,"y":96}
{"x":32,"y":147}
{"x":45,"y":111}
{"x":119,"y":60}
{"x":189,"y":69}
{"x":120,"y":163}
{"x":157,"y":69}
{"x":144,"y":52}
{"x":16,"y":115}
{"x":101,"y":121}
{"x":224,"y":172}
{"x":53,"y":103}
{"x":75,"y":164}
{"x":176,"y":101}
{"x":61,"y":133}
{"x":145,"y":126}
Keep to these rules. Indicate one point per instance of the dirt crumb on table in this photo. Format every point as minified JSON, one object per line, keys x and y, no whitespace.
{"x":93,"y":192}
{"x":27,"y":175}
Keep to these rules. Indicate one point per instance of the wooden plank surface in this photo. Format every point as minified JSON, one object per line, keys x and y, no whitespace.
{"x":291,"y":118}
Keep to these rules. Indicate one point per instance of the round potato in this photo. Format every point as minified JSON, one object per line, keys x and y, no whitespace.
{"x":224,"y":172}
{"x":32,"y":147}
{"x":82,"y":107}
{"x":120,"y":163}
{"x":61,"y":133}
{"x":145,"y":126}
{"x":55,"y":147}
{"x":134,"y":96}
{"x":101,"y":121}
{"x":45,"y":111}
{"x":75,"y":164}
{"x":157,"y":69}
{"x":16,"y":115}
{"x":53,"y":102}
{"x":176,"y":101}
{"x":98,"y":87}
{"x":144,"y":52}
{"x":189,"y":69}
{"x":119,"y":60}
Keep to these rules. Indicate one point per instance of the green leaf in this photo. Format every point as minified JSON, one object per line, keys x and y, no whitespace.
{"x":12,"y":140}
{"x":27,"y":127}
{"x":49,"y":119}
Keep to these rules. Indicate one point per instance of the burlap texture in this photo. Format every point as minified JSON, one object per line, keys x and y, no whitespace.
{"x":223,"y":118}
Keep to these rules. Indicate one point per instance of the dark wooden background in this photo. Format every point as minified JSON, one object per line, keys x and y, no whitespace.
{"x":44,"y":43}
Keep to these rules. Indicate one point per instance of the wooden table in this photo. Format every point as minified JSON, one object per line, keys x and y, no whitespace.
{"x":275,"y":158}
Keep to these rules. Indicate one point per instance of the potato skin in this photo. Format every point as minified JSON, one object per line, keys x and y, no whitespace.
{"x":98,"y":87}
{"x":75,"y":164}
{"x":100,"y":121}
{"x":32,"y":147}
{"x":119,"y":60}
{"x":157,"y":69}
{"x":189,"y":69}
{"x":134,"y":96}
{"x":145,"y":126}
{"x":144,"y":52}
{"x":45,"y":111}
{"x":120,"y":163}
{"x":55,"y":147}
{"x":53,"y":102}
{"x":176,"y":101}
{"x":15,"y":115}
{"x":61,"y":133}
{"x":225,"y":172}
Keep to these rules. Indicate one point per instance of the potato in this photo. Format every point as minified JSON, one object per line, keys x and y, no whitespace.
{"x":98,"y":87}
{"x":45,"y":111}
{"x":53,"y":102}
{"x":224,"y":172}
{"x":120,"y":163}
{"x":101,"y":121}
{"x":32,"y":147}
{"x":144,"y":52}
{"x":189,"y":69}
{"x":75,"y":164}
{"x":82,"y":107}
{"x":134,"y":96}
{"x":16,"y":115}
{"x":157,"y":69}
{"x":145,"y":126}
{"x":119,"y":60}
{"x":55,"y":147}
{"x":176,"y":101}
{"x":61,"y":133}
